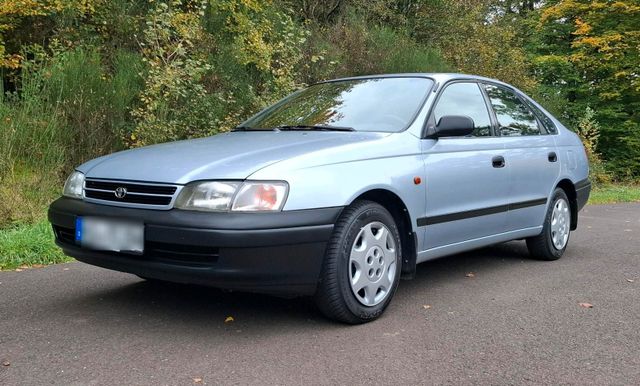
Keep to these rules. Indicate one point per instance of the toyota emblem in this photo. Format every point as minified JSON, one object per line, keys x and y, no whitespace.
{"x":121,"y":192}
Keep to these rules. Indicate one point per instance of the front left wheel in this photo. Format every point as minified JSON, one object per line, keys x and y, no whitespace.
{"x":362,"y":264}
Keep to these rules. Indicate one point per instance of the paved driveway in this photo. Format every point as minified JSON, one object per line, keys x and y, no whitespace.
{"x":517,"y":321}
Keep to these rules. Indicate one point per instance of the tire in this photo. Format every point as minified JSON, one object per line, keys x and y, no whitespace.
{"x":543,"y":246}
{"x":358,"y":253}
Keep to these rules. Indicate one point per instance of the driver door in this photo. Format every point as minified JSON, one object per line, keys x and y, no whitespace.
{"x":467,"y":179}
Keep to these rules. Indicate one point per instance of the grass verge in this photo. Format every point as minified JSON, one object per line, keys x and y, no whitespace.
{"x":28,"y":245}
{"x":609,"y":194}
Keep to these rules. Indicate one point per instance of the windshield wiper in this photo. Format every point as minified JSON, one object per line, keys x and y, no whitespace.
{"x":316,"y":127}
{"x":294,"y":127}
{"x":247,"y":128}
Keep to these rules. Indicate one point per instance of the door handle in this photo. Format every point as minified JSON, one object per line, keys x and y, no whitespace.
{"x":553,"y":157}
{"x":498,"y":161}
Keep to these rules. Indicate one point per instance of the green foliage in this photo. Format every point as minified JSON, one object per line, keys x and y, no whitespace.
{"x":174,"y":101}
{"x":255,"y":58}
{"x":70,"y":105}
{"x":589,"y":131}
{"x":473,"y":45}
{"x":26,"y":245}
{"x":588,"y":54}
{"x":355,"y":47}
{"x":68,"y":109}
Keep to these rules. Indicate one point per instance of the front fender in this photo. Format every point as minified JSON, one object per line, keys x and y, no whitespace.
{"x":341,"y":183}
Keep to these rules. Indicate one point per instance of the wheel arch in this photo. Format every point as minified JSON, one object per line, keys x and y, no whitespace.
{"x":394,"y":204}
{"x":570,"y":190}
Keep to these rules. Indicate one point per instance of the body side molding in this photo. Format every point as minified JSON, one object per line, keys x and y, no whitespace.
{"x":424,"y":221}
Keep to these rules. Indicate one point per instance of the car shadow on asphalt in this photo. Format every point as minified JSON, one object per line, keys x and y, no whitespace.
{"x":456,"y":267}
{"x":199,"y":307}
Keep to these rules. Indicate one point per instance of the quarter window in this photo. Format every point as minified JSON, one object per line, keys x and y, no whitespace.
{"x":514,"y":117}
{"x":465,"y":99}
{"x":544,"y":119}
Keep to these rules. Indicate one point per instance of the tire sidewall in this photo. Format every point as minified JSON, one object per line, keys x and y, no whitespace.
{"x":370,"y":214}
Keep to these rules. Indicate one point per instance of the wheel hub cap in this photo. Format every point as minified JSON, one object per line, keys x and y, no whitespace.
{"x":372,"y":264}
{"x":560,"y":223}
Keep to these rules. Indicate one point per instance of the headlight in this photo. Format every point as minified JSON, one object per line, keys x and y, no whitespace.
{"x":73,"y":186}
{"x":222,"y":196}
{"x":208,"y":195}
{"x":257,"y":196}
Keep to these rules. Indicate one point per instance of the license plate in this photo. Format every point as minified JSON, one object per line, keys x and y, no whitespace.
{"x":110,"y":234}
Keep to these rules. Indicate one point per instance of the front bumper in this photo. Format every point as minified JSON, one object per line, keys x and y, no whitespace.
{"x":278,"y":253}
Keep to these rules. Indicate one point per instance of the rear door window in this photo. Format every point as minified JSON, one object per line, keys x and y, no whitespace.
{"x":514,"y":117}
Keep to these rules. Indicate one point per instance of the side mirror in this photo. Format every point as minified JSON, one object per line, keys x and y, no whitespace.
{"x":454,"y":126}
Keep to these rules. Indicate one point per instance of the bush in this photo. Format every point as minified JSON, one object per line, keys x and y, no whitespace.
{"x":68,"y":109}
{"x":589,"y":131}
{"x":32,"y":150}
{"x":623,"y":151}
{"x":355,"y":47}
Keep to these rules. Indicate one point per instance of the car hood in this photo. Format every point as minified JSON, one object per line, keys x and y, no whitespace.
{"x":234,"y":155}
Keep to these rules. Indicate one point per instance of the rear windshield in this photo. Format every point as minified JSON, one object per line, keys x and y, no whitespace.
{"x":381,"y":104}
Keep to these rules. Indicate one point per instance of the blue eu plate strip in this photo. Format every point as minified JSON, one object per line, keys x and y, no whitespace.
{"x":78,"y":228}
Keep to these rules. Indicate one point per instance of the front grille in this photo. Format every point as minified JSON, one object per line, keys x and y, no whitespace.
{"x":136,"y":193}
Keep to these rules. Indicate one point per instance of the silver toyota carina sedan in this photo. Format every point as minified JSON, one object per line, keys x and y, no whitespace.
{"x":336,"y":191}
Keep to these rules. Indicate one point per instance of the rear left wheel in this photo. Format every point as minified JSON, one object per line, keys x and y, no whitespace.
{"x":552,"y":242}
{"x":362,"y":264}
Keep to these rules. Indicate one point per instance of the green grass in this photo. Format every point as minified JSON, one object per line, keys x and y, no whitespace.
{"x":28,"y":245}
{"x":609,"y":194}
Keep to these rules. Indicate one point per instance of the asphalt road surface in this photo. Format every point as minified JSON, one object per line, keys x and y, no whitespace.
{"x":515,"y":321}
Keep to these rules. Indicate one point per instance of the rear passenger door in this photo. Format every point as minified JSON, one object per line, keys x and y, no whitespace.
{"x":466,"y":185}
{"x":530,"y":155}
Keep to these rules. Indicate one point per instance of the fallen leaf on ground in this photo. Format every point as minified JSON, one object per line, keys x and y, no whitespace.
{"x":470,"y":274}
{"x":229,"y":319}
{"x":19,"y":270}
{"x":197,"y":380}
{"x":585,"y":305}
{"x":38,"y":265}
{"x":6,"y":363}
{"x":630,"y":280}
{"x":426,"y":306}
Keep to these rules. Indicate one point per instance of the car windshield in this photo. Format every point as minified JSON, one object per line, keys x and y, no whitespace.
{"x":378,"y":104}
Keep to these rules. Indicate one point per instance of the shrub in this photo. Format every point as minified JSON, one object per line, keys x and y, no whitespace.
{"x":68,"y":109}
{"x":354,"y":47}
{"x":174,"y":104}
{"x":589,"y":131}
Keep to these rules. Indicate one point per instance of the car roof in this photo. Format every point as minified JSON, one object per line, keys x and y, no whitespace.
{"x":438,"y":77}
